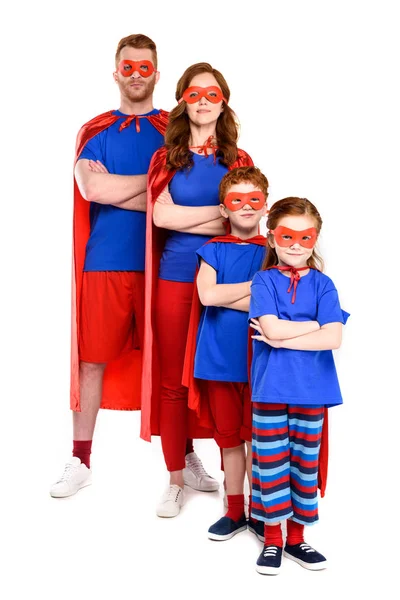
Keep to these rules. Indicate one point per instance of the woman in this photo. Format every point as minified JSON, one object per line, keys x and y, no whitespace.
{"x":182,"y":215}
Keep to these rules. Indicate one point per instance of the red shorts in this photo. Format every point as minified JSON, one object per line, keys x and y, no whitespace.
{"x":230,"y":406}
{"x":111,"y":314}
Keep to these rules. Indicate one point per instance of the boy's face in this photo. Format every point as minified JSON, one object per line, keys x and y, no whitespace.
{"x":248,"y":216}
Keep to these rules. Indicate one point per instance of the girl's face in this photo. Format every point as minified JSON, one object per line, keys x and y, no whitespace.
{"x":293,"y":255}
{"x":204,"y":112}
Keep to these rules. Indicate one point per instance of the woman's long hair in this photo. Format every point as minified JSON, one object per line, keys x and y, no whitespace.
{"x":178,"y":130}
{"x":284,"y":208}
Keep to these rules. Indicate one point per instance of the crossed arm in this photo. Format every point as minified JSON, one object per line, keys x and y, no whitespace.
{"x":228,"y":295}
{"x":297,"y":335}
{"x":96,"y":184}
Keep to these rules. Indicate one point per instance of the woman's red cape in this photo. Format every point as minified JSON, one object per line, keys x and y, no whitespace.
{"x":158,"y":179}
{"x":121,"y":386}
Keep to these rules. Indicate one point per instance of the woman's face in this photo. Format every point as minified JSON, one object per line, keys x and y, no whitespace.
{"x":204,"y":112}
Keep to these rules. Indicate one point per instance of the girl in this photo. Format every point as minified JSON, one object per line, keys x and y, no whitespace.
{"x":183,"y":205}
{"x":295,"y":309}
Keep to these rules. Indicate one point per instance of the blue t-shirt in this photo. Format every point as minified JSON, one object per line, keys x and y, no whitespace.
{"x":197,"y":186}
{"x":295,"y":376}
{"x":221,"y":350}
{"x":117,"y":236}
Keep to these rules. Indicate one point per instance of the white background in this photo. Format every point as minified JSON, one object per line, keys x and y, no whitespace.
{"x":315,"y":86}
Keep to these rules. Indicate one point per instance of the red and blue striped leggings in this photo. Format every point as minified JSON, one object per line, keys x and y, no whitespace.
{"x":286,"y":444}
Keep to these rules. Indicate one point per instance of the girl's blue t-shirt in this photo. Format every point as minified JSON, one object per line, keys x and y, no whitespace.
{"x":117,"y":236}
{"x":279,"y":375}
{"x":222,"y":338}
{"x":197,"y":186}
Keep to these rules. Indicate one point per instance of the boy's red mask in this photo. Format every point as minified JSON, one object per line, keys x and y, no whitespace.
{"x":194,"y":93}
{"x":236,"y":200}
{"x":286,"y":237}
{"x":144,"y":67}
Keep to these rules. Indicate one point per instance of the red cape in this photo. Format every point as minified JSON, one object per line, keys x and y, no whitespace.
{"x":121,"y":386}
{"x":158,"y":179}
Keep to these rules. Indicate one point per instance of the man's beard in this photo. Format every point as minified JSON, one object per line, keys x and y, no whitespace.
{"x":141,"y":93}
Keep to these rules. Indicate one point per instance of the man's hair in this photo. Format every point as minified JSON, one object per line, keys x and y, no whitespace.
{"x":136,"y":40}
{"x":243,"y":175}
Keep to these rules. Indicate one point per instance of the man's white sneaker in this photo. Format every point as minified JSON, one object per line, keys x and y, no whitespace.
{"x":196,"y":477}
{"x":76,"y":476}
{"x":171,"y":502}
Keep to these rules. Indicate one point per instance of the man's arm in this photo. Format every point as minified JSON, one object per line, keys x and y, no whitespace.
{"x":168,"y":215}
{"x":97,"y":185}
{"x":139,"y":203}
{"x":212,"y":293}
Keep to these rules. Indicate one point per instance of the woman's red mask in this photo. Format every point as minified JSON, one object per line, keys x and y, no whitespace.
{"x":286,"y":237}
{"x":236,"y":200}
{"x":128,"y":67}
{"x":194,"y":93}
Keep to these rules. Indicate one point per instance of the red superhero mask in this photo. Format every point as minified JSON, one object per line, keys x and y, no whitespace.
{"x":286,"y":237}
{"x":144,"y":67}
{"x":194,"y":93}
{"x":236,"y":200}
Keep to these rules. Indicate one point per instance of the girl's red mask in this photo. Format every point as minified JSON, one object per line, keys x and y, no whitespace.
{"x":236,"y":200}
{"x":286,"y":237}
{"x":194,"y":93}
{"x":144,"y":67}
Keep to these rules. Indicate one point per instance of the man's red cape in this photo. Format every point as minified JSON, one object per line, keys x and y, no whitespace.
{"x":121,"y":386}
{"x":158,"y":179}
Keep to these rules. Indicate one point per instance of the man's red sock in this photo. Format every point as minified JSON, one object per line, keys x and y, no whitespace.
{"x":295,"y":533}
{"x":273,"y":535}
{"x":82,"y":449}
{"x":235,"y":507}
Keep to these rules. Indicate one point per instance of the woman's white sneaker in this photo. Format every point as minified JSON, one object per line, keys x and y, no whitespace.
{"x":76,"y":476}
{"x":171,"y":502}
{"x":196,"y":477}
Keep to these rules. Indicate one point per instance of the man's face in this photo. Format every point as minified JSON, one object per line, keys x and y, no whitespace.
{"x":136,"y":87}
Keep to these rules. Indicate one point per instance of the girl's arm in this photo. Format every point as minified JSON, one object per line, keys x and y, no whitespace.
{"x":213,"y":294}
{"x":328,"y":337}
{"x":278,"y":329}
{"x":168,"y":215}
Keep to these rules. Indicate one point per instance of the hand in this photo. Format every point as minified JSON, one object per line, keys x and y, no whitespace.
{"x":165,"y":197}
{"x":97,"y":167}
{"x":255,"y":324}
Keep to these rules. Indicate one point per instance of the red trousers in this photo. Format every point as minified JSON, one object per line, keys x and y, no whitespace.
{"x":173,"y":304}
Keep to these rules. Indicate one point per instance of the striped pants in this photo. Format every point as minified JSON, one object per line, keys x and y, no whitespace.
{"x":286,"y":443}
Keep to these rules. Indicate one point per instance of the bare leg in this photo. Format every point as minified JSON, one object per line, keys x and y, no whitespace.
{"x":176,"y":478}
{"x":249,"y":464}
{"x":235,"y":468}
{"x":91,"y":384}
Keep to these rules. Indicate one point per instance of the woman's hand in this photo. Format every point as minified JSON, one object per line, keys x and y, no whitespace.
{"x":165,"y":197}
{"x":255,"y":324}
{"x":97,"y":167}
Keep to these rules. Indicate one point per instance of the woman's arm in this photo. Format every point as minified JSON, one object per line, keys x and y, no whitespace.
{"x":213,"y":294}
{"x":168,"y":215}
{"x":214,"y":227}
{"x":280,"y":329}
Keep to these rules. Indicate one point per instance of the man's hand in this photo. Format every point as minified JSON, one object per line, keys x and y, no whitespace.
{"x":97,"y":167}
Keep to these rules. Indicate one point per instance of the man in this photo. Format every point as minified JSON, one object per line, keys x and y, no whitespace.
{"x":112,"y":158}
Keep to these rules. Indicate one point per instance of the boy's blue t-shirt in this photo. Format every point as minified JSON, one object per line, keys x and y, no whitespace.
{"x":117,"y":236}
{"x":286,"y":376}
{"x":222,"y":338}
{"x":197,"y":186}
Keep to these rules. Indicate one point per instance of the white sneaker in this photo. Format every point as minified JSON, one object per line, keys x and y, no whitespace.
{"x":195,"y":476}
{"x":171,"y":502}
{"x":76,"y":476}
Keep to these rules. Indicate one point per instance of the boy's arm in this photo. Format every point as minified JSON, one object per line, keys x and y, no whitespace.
{"x":279,"y":329}
{"x":243,"y":304}
{"x":213,"y":294}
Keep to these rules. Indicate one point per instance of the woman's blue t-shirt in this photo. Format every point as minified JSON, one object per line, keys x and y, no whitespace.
{"x":279,"y":375}
{"x":197,"y":186}
{"x":222,"y":338}
{"x":117,"y":236}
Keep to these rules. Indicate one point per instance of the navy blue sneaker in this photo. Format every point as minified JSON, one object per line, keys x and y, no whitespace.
{"x":269,"y":561}
{"x":256,"y":527}
{"x":226,"y":528}
{"x":306,"y":556}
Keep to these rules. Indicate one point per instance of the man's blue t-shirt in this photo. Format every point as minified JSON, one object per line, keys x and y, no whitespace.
{"x":222,"y":338}
{"x":117,"y":236}
{"x":286,"y":376}
{"x":197,"y":186}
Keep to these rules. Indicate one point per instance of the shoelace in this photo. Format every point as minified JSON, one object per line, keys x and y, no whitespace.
{"x":68,"y":472}
{"x":270,"y":551}
{"x":196,"y":466}
{"x":172,"y":494}
{"x":307,"y":548}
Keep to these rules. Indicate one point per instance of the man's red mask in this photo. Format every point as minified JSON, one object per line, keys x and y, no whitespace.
{"x":128,"y":67}
{"x":236,"y":200}
{"x":286,"y":237}
{"x":194,"y":93}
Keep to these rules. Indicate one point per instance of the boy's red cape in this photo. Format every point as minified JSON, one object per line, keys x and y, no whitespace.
{"x":158,"y":179}
{"x":121,"y":386}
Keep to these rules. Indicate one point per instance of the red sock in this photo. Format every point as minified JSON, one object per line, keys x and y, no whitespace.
{"x":189,"y":447}
{"x":235,"y":507}
{"x":295,"y":533}
{"x":82,"y":449}
{"x":273,"y":535}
